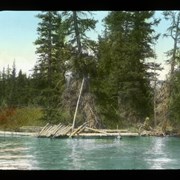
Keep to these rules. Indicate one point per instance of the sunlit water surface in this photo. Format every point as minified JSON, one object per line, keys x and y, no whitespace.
{"x":31,"y":153}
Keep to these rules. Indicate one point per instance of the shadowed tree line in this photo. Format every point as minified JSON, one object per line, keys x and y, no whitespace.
{"x":117,"y":75}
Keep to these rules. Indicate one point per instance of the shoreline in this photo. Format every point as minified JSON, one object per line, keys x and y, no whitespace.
{"x":35,"y":134}
{"x":13,"y":133}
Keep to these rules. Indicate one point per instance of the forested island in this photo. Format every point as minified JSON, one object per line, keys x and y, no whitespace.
{"x":120,"y":85}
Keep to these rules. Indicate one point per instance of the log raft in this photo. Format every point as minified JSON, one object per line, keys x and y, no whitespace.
{"x":62,"y":131}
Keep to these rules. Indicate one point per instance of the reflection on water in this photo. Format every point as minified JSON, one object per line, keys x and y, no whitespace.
{"x":159,"y":151}
{"x":157,"y":156}
{"x":15,"y":155}
{"x":26,"y":153}
{"x":159,"y":163}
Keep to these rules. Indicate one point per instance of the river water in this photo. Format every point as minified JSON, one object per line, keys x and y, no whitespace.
{"x":31,"y":153}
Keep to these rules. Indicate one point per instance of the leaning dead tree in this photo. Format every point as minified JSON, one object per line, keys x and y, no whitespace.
{"x":80,"y":105}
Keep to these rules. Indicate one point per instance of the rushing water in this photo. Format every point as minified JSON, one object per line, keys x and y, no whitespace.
{"x":30,"y":153}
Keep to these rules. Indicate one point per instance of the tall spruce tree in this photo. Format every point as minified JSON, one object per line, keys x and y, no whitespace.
{"x":23,"y":97}
{"x":78,"y":24}
{"x":49,"y":69}
{"x":124,"y":88}
{"x":83,"y":62}
{"x":3,"y":94}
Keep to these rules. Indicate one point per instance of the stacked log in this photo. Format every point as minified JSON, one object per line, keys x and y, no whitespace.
{"x":54,"y":130}
{"x":62,"y":131}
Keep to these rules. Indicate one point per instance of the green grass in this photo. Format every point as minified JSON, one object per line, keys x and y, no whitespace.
{"x":12,"y":119}
{"x":18,"y":117}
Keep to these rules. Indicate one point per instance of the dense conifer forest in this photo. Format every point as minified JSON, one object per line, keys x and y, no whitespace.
{"x":121,"y":87}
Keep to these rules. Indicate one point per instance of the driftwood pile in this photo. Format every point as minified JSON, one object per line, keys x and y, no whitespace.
{"x":62,"y":131}
{"x":54,"y":130}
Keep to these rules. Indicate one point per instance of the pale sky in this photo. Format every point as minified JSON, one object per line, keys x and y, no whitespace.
{"x":18,"y":32}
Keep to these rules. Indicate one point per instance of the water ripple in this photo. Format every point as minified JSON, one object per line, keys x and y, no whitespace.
{"x":89,"y":154}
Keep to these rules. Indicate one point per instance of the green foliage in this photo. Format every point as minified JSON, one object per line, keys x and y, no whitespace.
{"x":78,"y":24}
{"x":48,"y":73}
{"x":14,"y":89}
{"x":123,"y":81}
{"x":173,"y":54}
{"x":115,"y":68}
{"x":174,"y":113}
{"x":14,"y":118}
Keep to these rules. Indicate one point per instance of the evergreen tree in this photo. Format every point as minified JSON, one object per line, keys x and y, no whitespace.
{"x":12,"y":86}
{"x":173,"y":31}
{"x":124,"y":82}
{"x":22,"y":89}
{"x":83,"y":63}
{"x":78,"y":24}
{"x":49,"y":69}
{"x":3,"y":88}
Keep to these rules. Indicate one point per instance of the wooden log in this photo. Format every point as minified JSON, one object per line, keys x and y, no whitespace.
{"x":114,"y":130}
{"x":73,"y":133}
{"x":96,"y":130}
{"x":68,"y":129}
{"x":60,"y":132}
{"x":51,"y":132}
{"x":64,"y":131}
{"x":75,"y":113}
{"x":48,"y":131}
{"x":81,"y":130}
{"x":97,"y":134}
{"x":42,"y":129}
{"x":45,"y":130}
{"x":129,"y":134}
{"x":106,"y":135}
{"x":58,"y":127}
